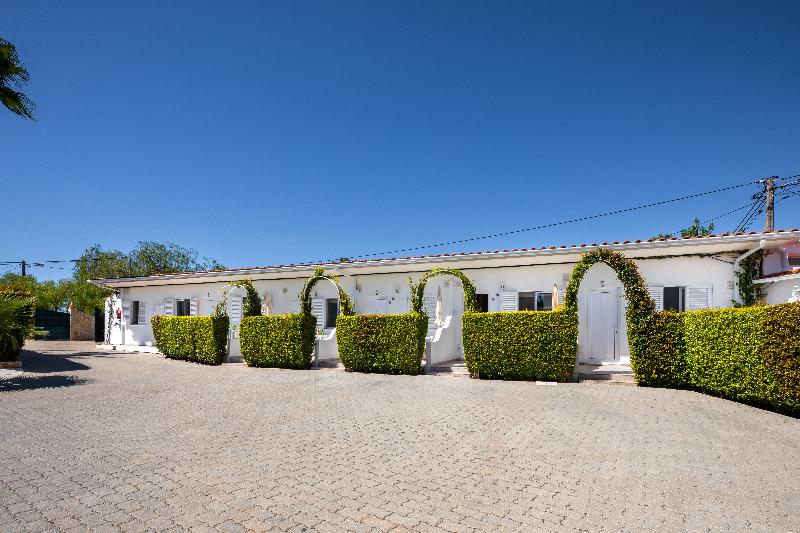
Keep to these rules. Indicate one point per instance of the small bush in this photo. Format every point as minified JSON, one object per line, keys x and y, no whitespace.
{"x":387,"y":344}
{"x":282,"y":341}
{"x":524,"y":345}
{"x":16,"y":324}
{"x":661,"y":358}
{"x":202,"y":339}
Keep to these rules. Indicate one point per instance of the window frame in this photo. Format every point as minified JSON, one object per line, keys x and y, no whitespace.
{"x":328,"y":302}
{"x":535,"y":297}
{"x":179,"y":302}
{"x":134,"y":313}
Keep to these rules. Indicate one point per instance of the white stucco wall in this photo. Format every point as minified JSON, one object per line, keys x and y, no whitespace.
{"x":364,"y":288}
{"x":779,"y":292}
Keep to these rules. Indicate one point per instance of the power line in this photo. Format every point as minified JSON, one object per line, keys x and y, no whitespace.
{"x":553,"y":224}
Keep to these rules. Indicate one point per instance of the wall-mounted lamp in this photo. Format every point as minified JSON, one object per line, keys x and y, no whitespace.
{"x":502,"y":286}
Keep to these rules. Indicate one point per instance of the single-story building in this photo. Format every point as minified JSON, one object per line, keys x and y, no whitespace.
{"x":681,"y":274}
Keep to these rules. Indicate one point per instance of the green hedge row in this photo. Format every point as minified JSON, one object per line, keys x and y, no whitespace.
{"x":749,"y":354}
{"x":523,"y":345}
{"x":388,"y":344}
{"x":202,"y":339}
{"x":282,"y":341}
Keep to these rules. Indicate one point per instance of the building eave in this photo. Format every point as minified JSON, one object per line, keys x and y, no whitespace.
{"x":676,"y":247}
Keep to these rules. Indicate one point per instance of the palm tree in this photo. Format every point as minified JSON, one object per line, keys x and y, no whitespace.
{"x":13,"y":76}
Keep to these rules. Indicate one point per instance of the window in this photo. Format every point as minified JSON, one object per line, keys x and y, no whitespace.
{"x":182,"y":307}
{"x":794,"y":260}
{"x":535,"y":301}
{"x":483,"y":303}
{"x":331,"y":312}
{"x":674,"y":298}
{"x":544,"y":301}
{"x":134,"y":313}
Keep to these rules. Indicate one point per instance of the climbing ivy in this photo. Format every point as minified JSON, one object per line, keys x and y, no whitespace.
{"x":252,"y":301}
{"x":346,"y":306}
{"x":749,"y":270}
{"x":641,"y":307}
{"x":418,"y":289}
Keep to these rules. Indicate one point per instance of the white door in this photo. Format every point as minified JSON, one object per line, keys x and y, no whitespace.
{"x":235,"y":310}
{"x":601,"y":320}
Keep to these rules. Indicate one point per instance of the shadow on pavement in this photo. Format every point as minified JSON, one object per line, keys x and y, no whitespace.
{"x":50,"y":363}
{"x":38,"y":382}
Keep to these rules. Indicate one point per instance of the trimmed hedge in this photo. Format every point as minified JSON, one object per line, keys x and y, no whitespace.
{"x":748,"y":354}
{"x":661,"y":358}
{"x":521,"y":345}
{"x":281,"y":341}
{"x":386,"y":344}
{"x":202,"y":339}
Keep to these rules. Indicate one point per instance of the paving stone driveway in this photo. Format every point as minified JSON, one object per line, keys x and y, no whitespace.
{"x":99,"y":441}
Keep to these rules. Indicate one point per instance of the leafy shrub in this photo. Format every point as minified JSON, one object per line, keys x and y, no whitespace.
{"x":282,"y":341}
{"x":727,"y":354}
{"x":16,"y":324}
{"x":782,"y":346}
{"x":202,"y":339}
{"x":749,"y":354}
{"x":387,"y":344}
{"x":524,"y":345}
{"x":661,"y":359}
{"x":252,"y":301}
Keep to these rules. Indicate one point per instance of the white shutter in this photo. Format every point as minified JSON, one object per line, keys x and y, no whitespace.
{"x":698,"y":297}
{"x":169,"y":306}
{"x":142,"y":318}
{"x":193,"y":307}
{"x":509,"y":301}
{"x":318,"y":310}
{"x":235,"y":309}
{"x":126,"y":311}
{"x":657,"y":294}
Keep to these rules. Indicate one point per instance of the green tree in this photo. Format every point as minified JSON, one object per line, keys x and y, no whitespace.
{"x":697,"y":229}
{"x":13,"y":77}
{"x":146,"y":259}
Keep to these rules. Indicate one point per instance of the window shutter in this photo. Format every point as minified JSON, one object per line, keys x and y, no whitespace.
{"x":193,"y":307}
{"x":235,"y":308}
{"x":169,"y":306}
{"x":142,"y":319}
{"x":318,"y":310}
{"x":126,"y":311}
{"x":698,"y":297}
{"x":509,"y":301}
{"x":657,"y":294}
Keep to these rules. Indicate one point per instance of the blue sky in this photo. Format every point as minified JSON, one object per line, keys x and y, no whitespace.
{"x":266,"y":133}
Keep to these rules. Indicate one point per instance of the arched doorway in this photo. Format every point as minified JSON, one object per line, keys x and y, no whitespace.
{"x":614,"y":287}
{"x":235,"y":308}
{"x":445,"y":302}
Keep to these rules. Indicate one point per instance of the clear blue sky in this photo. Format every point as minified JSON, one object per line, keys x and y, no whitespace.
{"x":273,"y":132}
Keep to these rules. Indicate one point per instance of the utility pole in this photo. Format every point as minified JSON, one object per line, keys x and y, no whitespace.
{"x":23,"y":268}
{"x":769,"y":184}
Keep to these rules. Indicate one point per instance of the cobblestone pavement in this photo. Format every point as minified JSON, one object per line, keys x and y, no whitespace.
{"x":134,"y":442}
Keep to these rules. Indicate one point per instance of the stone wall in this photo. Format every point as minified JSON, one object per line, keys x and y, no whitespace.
{"x":81,"y":325}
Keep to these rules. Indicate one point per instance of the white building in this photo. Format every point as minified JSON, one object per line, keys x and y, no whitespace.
{"x":682,"y":274}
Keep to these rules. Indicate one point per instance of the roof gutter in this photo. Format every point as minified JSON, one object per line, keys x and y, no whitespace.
{"x":736,"y":264}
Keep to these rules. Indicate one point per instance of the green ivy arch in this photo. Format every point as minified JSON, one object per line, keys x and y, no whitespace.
{"x":641,"y":307}
{"x":346,"y":306}
{"x":418,"y":289}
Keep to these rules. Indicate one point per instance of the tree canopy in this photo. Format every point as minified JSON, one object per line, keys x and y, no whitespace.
{"x":697,"y":229}
{"x":13,"y":77}
{"x":146,"y":259}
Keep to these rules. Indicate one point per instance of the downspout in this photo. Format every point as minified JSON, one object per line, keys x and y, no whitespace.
{"x":761,"y":244}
